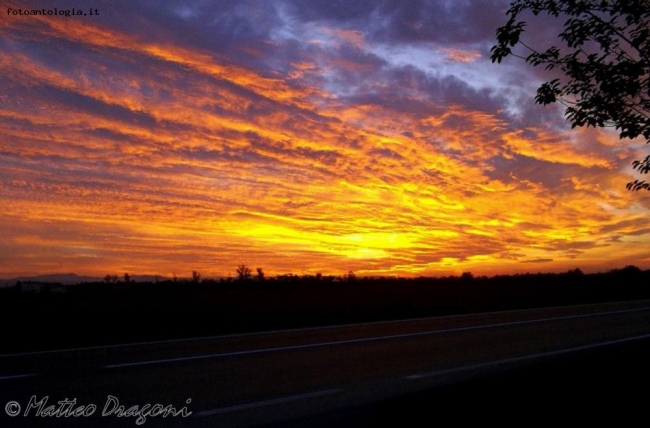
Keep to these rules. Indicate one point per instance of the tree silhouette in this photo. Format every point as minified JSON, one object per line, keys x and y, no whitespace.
{"x":243,"y":272}
{"x":349,"y":277}
{"x":467,"y":276}
{"x":605,"y":64}
{"x":260,"y":274}
{"x":196,"y":277}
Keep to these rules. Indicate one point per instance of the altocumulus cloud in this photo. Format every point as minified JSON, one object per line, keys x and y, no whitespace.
{"x":329,"y":136}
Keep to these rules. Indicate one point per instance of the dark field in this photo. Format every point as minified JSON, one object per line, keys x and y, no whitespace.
{"x":126,"y":312}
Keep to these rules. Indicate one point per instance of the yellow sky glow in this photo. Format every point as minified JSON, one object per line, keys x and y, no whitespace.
{"x":223,"y":165}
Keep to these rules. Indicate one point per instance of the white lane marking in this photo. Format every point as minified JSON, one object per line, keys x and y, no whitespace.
{"x":266,"y":403}
{"x":296,"y":330}
{"x":16,"y":376}
{"x":526,"y":357}
{"x":365,"y":339}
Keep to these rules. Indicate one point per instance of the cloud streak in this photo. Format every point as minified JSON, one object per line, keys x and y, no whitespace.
{"x":286,"y":136}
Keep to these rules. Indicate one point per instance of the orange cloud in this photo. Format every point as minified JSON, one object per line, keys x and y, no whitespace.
{"x":155,"y":158}
{"x":553,"y":148}
{"x":460,"y":55}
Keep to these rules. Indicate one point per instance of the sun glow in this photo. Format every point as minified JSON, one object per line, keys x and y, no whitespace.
{"x":162,"y":157}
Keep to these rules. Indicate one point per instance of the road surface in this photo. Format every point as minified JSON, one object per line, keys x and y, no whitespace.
{"x":288,"y":377}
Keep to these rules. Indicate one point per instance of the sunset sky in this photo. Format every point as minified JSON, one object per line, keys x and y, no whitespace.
{"x":297,"y":136}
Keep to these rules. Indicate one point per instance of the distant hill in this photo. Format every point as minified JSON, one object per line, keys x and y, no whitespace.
{"x":72,"y":279}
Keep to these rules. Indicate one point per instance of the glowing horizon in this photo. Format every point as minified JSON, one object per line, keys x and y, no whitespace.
{"x":301,"y":143}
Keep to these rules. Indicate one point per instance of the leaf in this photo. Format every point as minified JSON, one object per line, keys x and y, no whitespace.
{"x":610,"y":87}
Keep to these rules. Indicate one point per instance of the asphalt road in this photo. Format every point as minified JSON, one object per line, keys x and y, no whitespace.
{"x":313,"y":376}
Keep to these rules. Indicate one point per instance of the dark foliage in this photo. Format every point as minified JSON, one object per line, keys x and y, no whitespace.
{"x":243,"y":272}
{"x":118,"y":312}
{"x":605,"y":63}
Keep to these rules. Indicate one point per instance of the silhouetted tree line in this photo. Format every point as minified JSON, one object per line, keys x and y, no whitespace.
{"x":119,"y":310}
